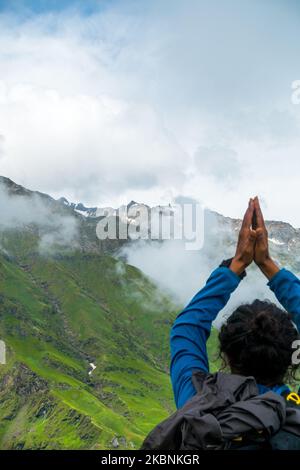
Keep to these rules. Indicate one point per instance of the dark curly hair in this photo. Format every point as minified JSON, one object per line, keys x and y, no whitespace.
{"x":257,"y":341}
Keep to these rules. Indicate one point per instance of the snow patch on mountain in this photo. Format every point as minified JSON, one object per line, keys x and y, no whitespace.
{"x":276,"y":242}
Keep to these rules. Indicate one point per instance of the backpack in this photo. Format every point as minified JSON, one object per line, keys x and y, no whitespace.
{"x":227,"y":412}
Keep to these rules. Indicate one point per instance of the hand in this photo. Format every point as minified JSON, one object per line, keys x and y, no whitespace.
{"x":261,"y":253}
{"x":246,"y":242}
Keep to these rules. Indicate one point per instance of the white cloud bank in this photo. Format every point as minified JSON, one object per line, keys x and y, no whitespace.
{"x":148,"y":101}
{"x":183,"y":273}
{"x":22,"y":212}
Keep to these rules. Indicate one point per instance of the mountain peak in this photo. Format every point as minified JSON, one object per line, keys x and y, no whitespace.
{"x":132,"y":203}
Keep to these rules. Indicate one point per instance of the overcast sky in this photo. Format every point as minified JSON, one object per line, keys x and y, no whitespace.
{"x":107,"y":101}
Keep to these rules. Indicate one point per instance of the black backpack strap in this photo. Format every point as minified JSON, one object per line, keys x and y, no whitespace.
{"x":198,"y":378}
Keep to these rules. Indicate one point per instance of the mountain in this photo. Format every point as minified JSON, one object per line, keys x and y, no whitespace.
{"x":284,"y":239}
{"x":87,"y":335}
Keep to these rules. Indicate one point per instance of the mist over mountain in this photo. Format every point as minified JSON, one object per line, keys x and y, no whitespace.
{"x":64,"y":225}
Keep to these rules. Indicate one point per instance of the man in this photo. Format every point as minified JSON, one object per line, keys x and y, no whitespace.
{"x":256,"y":343}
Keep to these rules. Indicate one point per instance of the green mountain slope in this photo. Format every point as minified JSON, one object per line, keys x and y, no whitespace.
{"x":65,"y":311}
{"x":68,"y":305}
{"x":57,"y":315}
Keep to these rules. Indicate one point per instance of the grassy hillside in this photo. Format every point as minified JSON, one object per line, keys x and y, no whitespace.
{"x":57,"y":315}
{"x":62,"y":312}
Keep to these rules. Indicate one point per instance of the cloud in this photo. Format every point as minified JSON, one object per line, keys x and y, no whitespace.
{"x":181,"y":199}
{"x":146,"y":101}
{"x":183,"y":273}
{"x":219,"y":162}
{"x":94,"y":144}
{"x":1,"y":145}
{"x":22,"y":212}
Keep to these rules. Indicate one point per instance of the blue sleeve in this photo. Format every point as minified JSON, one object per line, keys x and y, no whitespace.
{"x":191,"y":330}
{"x":286,"y":287}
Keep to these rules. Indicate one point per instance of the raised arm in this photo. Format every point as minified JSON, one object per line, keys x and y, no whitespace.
{"x":192,"y":327}
{"x":284,"y":284}
{"x":286,"y":287}
{"x":191,"y":330}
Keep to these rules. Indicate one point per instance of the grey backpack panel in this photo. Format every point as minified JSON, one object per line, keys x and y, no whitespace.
{"x":226,"y":412}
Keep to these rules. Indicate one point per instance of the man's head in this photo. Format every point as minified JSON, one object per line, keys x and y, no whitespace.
{"x":257,"y":341}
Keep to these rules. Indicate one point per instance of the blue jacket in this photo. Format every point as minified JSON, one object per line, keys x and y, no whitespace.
{"x":192,"y":326}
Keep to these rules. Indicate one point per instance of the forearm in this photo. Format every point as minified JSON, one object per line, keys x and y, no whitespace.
{"x":269,"y":268}
{"x":191,"y":330}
